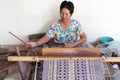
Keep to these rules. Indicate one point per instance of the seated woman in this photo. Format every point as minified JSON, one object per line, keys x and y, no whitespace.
{"x":65,"y":30}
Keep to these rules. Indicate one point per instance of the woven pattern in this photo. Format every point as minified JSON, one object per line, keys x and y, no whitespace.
{"x":74,"y":70}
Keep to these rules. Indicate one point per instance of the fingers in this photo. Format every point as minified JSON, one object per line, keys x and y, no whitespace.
{"x":31,"y":44}
{"x":69,"y":45}
{"x":28,"y":45}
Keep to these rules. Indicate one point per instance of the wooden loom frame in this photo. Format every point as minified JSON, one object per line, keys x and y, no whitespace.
{"x":36,"y":58}
{"x":47,"y":51}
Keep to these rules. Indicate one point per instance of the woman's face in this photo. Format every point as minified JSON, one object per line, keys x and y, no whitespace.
{"x":65,"y":14}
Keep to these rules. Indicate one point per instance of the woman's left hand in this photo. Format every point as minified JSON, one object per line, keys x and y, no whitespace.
{"x":70,"y":45}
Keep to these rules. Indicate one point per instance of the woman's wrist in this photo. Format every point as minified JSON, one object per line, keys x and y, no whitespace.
{"x":37,"y":43}
{"x":75,"y":43}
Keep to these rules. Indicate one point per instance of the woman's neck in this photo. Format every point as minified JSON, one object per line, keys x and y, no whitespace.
{"x":66,"y":21}
{"x":65,"y":25}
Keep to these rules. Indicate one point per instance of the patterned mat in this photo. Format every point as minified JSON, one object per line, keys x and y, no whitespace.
{"x":74,"y":70}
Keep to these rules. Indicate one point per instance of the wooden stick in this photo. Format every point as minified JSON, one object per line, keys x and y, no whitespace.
{"x":39,"y":58}
{"x":3,"y":58}
{"x":17,"y":38}
{"x":6,"y":68}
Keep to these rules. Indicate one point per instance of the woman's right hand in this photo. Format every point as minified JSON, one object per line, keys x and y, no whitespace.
{"x":31,"y":44}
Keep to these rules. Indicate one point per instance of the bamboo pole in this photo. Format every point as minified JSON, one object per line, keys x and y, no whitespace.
{"x":39,"y":58}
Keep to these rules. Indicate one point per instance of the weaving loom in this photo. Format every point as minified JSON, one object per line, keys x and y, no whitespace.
{"x":78,"y":69}
{"x":74,"y":70}
{"x":70,"y":64}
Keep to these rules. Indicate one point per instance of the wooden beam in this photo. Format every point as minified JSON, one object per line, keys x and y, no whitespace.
{"x":82,"y":52}
{"x":39,"y":58}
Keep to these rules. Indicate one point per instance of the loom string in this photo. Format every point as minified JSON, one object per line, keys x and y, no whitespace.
{"x":103,"y":60}
{"x":35,"y":75}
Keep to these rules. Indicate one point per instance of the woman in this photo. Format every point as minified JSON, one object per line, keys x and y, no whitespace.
{"x":66,"y":30}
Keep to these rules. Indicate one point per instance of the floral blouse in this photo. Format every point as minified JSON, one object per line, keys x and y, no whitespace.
{"x":72,"y":34}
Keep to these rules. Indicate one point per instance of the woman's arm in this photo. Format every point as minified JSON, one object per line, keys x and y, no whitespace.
{"x":41,"y":41}
{"x":83,"y":38}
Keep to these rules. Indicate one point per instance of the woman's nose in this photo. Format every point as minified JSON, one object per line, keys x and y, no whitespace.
{"x":64,"y":16}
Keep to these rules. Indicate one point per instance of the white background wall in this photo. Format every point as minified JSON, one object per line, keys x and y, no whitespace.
{"x":24,"y":17}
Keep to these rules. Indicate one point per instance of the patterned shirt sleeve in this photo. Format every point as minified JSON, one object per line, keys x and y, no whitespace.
{"x":51,"y":31}
{"x":79,"y":29}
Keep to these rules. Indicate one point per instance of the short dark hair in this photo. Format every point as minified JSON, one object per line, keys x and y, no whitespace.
{"x":67,"y":4}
